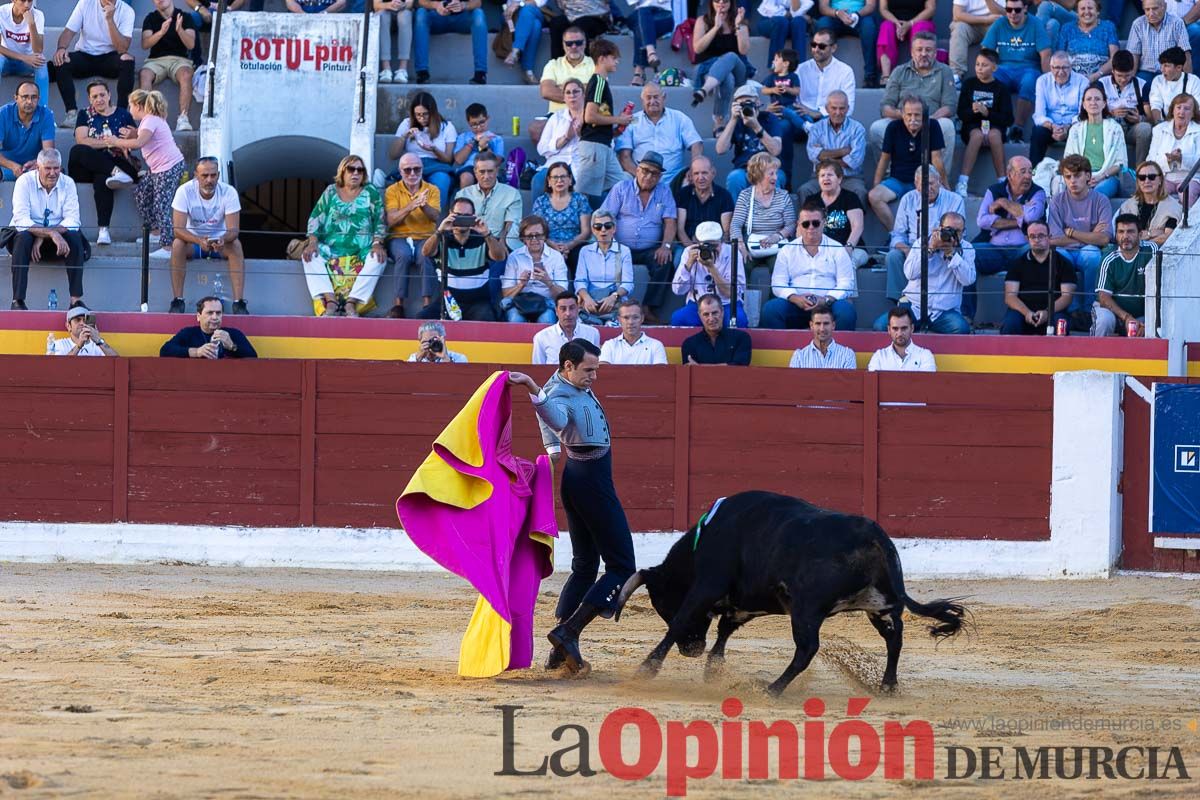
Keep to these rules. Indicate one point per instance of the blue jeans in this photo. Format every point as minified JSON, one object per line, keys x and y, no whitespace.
{"x":780,"y":313}
{"x":527,"y":35}
{"x":428,"y":23}
{"x":440,"y":175}
{"x":40,"y":75}
{"x":1020,"y":80}
{"x":1086,"y":260}
{"x":1014,"y":324}
{"x":1115,"y":9}
{"x":547,"y":317}
{"x":1054,"y":16}
{"x":729,"y":71}
{"x":779,"y":30}
{"x":648,"y":25}
{"x":737,"y":181}
{"x":1109,"y":186}
{"x":1193,"y":32}
{"x":689,"y":316}
{"x":867,"y":33}
{"x":947,"y":322}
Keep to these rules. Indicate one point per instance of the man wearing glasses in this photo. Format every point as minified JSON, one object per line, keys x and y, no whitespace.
{"x":411,"y":209}
{"x":645,"y":214}
{"x":1024,"y":48}
{"x":573,"y":63}
{"x":817,"y":274}
{"x":1059,"y":96}
{"x":46,"y":216}
{"x":821,"y":75}
{"x":26,"y":128}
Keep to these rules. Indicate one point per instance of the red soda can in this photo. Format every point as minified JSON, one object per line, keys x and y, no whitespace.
{"x":1131,"y":327}
{"x":1060,"y":327}
{"x":628,"y":109}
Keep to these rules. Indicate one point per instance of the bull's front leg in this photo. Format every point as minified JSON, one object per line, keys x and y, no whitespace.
{"x":716,"y":657}
{"x":692,"y":616}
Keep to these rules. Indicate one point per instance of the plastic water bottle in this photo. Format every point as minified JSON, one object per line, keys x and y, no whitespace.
{"x":218,"y":286}
{"x":216,"y":342}
{"x":52,"y":300}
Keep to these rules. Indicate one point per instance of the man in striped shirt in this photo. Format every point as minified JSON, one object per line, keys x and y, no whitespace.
{"x":823,"y":352}
{"x":1153,"y":33}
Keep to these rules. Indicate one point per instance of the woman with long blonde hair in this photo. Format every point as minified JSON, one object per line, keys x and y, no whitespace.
{"x":156,"y":190}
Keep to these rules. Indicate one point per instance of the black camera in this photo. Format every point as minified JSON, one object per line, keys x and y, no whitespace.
{"x":949,"y":235}
{"x":707,"y":250}
{"x":748,"y":109}
{"x":436,"y":345}
{"x":463,"y":221}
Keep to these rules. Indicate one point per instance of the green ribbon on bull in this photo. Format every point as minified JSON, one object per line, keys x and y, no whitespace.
{"x":705,"y":518}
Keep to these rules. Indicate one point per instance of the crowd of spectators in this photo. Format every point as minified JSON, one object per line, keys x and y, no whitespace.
{"x":620,"y":192}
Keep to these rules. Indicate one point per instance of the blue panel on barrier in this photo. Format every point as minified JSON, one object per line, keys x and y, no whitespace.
{"x":1175,"y":459}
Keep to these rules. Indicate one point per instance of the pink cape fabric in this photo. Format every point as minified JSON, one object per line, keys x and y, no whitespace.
{"x":491,"y":544}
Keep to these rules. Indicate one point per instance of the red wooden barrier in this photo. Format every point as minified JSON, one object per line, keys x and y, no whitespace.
{"x":332,"y":443}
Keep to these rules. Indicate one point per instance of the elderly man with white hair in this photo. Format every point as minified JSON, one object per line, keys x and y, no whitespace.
{"x":432,"y":338}
{"x":46,"y":216}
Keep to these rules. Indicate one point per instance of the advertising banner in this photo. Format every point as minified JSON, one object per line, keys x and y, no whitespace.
{"x":1175,"y":459}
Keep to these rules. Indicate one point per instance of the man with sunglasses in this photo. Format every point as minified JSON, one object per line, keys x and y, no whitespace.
{"x":574,"y":62}
{"x":821,"y":75}
{"x":412,"y":206}
{"x":815,"y":273}
{"x":1024,"y":48}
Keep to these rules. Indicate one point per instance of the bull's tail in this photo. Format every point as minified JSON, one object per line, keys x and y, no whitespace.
{"x":950,"y":615}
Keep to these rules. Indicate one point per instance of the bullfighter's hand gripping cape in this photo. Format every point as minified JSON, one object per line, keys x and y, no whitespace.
{"x":487,"y":516}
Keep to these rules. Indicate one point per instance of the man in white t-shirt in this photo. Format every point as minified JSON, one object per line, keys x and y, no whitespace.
{"x":83,"y":337}
{"x":901,"y":355}
{"x":105,"y":30}
{"x":207,"y":217}
{"x":970,"y":20}
{"x":21,"y":29}
{"x":633,"y":346}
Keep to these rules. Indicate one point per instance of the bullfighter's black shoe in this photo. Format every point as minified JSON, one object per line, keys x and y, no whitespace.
{"x":565,"y":637}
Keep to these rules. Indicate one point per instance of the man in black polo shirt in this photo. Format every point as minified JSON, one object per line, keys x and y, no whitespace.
{"x":1027,"y":285}
{"x":701,"y":201}
{"x":716,"y":344}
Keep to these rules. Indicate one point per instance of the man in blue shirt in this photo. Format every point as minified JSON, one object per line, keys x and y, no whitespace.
{"x":716,"y":344}
{"x":661,"y":130}
{"x":646,"y":214}
{"x":26,"y":129}
{"x":207,"y":339}
{"x":1024,"y":48}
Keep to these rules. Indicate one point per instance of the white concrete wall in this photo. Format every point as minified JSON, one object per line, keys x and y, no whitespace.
{"x":1180,"y":292}
{"x":256,"y":89}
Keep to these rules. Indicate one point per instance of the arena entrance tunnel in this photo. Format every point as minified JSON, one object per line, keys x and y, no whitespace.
{"x":279,"y":181}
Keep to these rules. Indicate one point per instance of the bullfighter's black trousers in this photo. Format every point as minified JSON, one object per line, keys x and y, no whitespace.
{"x":598,"y":531}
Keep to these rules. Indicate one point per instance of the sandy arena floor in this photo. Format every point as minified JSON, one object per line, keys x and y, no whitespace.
{"x":186,"y":681}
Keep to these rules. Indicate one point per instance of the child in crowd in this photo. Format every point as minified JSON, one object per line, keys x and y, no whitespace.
{"x":783,"y":87}
{"x":473,"y":141}
{"x":983,"y":102}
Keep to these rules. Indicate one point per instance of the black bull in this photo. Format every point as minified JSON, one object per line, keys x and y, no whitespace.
{"x":765,"y":553}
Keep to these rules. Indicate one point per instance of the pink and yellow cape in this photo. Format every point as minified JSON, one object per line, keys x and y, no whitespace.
{"x":487,"y":516}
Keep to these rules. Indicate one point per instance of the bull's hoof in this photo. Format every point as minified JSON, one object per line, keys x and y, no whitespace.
{"x":649,"y":668}
{"x":891,"y":688}
{"x":776,"y":689}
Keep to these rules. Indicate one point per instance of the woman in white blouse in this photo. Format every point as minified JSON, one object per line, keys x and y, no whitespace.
{"x":1100,"y":139}
{"x":1175,"y":145}
{"x":430,"y":138}
{"x":560,"y":137}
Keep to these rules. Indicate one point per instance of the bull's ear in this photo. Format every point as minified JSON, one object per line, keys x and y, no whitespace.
{"x":631,"y":586}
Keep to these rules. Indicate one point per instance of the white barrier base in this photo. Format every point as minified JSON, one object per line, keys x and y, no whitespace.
{"x":380,"y":549}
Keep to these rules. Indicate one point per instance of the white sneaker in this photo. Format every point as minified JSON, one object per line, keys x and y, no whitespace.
{"x":961,"y":187}
{"x":161,"y":252}
{"x":400,"y":76}
{"x":102,"y":236}
{"x":386,"y":76}
{"x":183,"y":124}
{"x":118,"y":179}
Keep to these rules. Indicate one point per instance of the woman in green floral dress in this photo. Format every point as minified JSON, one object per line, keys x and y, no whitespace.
{"x":344,"y":255}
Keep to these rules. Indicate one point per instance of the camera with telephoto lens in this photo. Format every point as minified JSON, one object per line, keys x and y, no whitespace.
{"x":949,"y":235}
{"x":436,"y":345}
{"x":707,"y":251}
{"x":748,"y":109}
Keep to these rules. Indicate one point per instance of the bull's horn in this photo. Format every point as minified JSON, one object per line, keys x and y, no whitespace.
{"x":631,"y":586}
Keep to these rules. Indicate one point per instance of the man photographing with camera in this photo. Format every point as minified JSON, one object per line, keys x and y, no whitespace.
{"x":432,"y":338}
{"x":951,"y":268}
{"x":705,"y":268}
{"x":83,"y":337}
{"x":746,"y":133}
{"x":466,"y":244}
